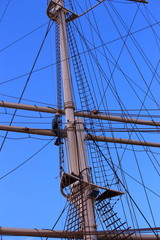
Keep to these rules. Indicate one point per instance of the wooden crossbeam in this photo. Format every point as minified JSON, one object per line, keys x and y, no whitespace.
{"x":141,"y":1}
{"x":49,"y":132}
{"x":78,"y":114}
{"x":67,"y":234}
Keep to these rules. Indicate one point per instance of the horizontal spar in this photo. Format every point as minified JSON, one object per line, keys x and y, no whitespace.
{"x":78,"y":114}
{"x":48,"y":132}
{"x":117,"y":119}
{"x":66,"y":234}
{"x":44,"y":132}
{"x":34,"y":108}
{"x":141,"y":1}
{"x":121,"y":140}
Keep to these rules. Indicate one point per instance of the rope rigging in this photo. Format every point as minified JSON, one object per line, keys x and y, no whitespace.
{"x":118,"y":98}
{"x":101,"y":86}
{"x":121,"y":104}
{"x":5,"y":10}
{"x":24,"y":162}
{"x":21,"y":38}
{"x":156,"y":234}
{"x":27,"y":81}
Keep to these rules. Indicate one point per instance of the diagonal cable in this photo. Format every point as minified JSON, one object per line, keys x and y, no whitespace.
{"x":27,"y":81}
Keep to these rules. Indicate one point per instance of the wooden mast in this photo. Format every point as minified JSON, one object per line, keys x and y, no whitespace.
{"x":78,"y":163}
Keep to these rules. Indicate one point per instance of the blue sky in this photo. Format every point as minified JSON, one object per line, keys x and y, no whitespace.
{"x":30,"y":195}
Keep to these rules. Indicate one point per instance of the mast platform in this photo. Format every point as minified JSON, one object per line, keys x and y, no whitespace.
{"x":69,"y":179}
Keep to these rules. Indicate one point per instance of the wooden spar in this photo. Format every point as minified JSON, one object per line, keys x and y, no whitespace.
{"x":78,"y":114}
{"x":66,"y":234}
{"x":47,"y":132}
{"x":141,"y":1}
{"x":30,"y":107}
{"x":121,"y":140}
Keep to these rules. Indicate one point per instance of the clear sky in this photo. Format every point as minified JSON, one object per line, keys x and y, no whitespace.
{"x":30,"y":195}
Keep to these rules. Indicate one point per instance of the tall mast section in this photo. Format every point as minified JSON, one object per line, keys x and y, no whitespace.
{"x":78,"y":161}
{"x":67,"y":89}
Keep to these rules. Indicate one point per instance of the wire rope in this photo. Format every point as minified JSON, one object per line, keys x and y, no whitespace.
{"x":121,"y":108}
{"x":114,"y":93}
{"x":27,"y":81}
{"x":24,"y":36}
{"x":5,"y":10}
{"x":22,"y":138}
{"x":149,"y":21}
{"x":82,"y":53}
{"x":90,"y":51}
{"x":27,"y":160}
{"x":148,"y":88}
{"x":125,"y":188}
{"x":59,"y":217}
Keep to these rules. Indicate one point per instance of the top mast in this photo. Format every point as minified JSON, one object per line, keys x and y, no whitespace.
{"x":67,"y":88}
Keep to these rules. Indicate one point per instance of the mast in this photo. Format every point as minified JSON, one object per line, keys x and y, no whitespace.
{"x":68,"y":98}
{"x":78,"y":160}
